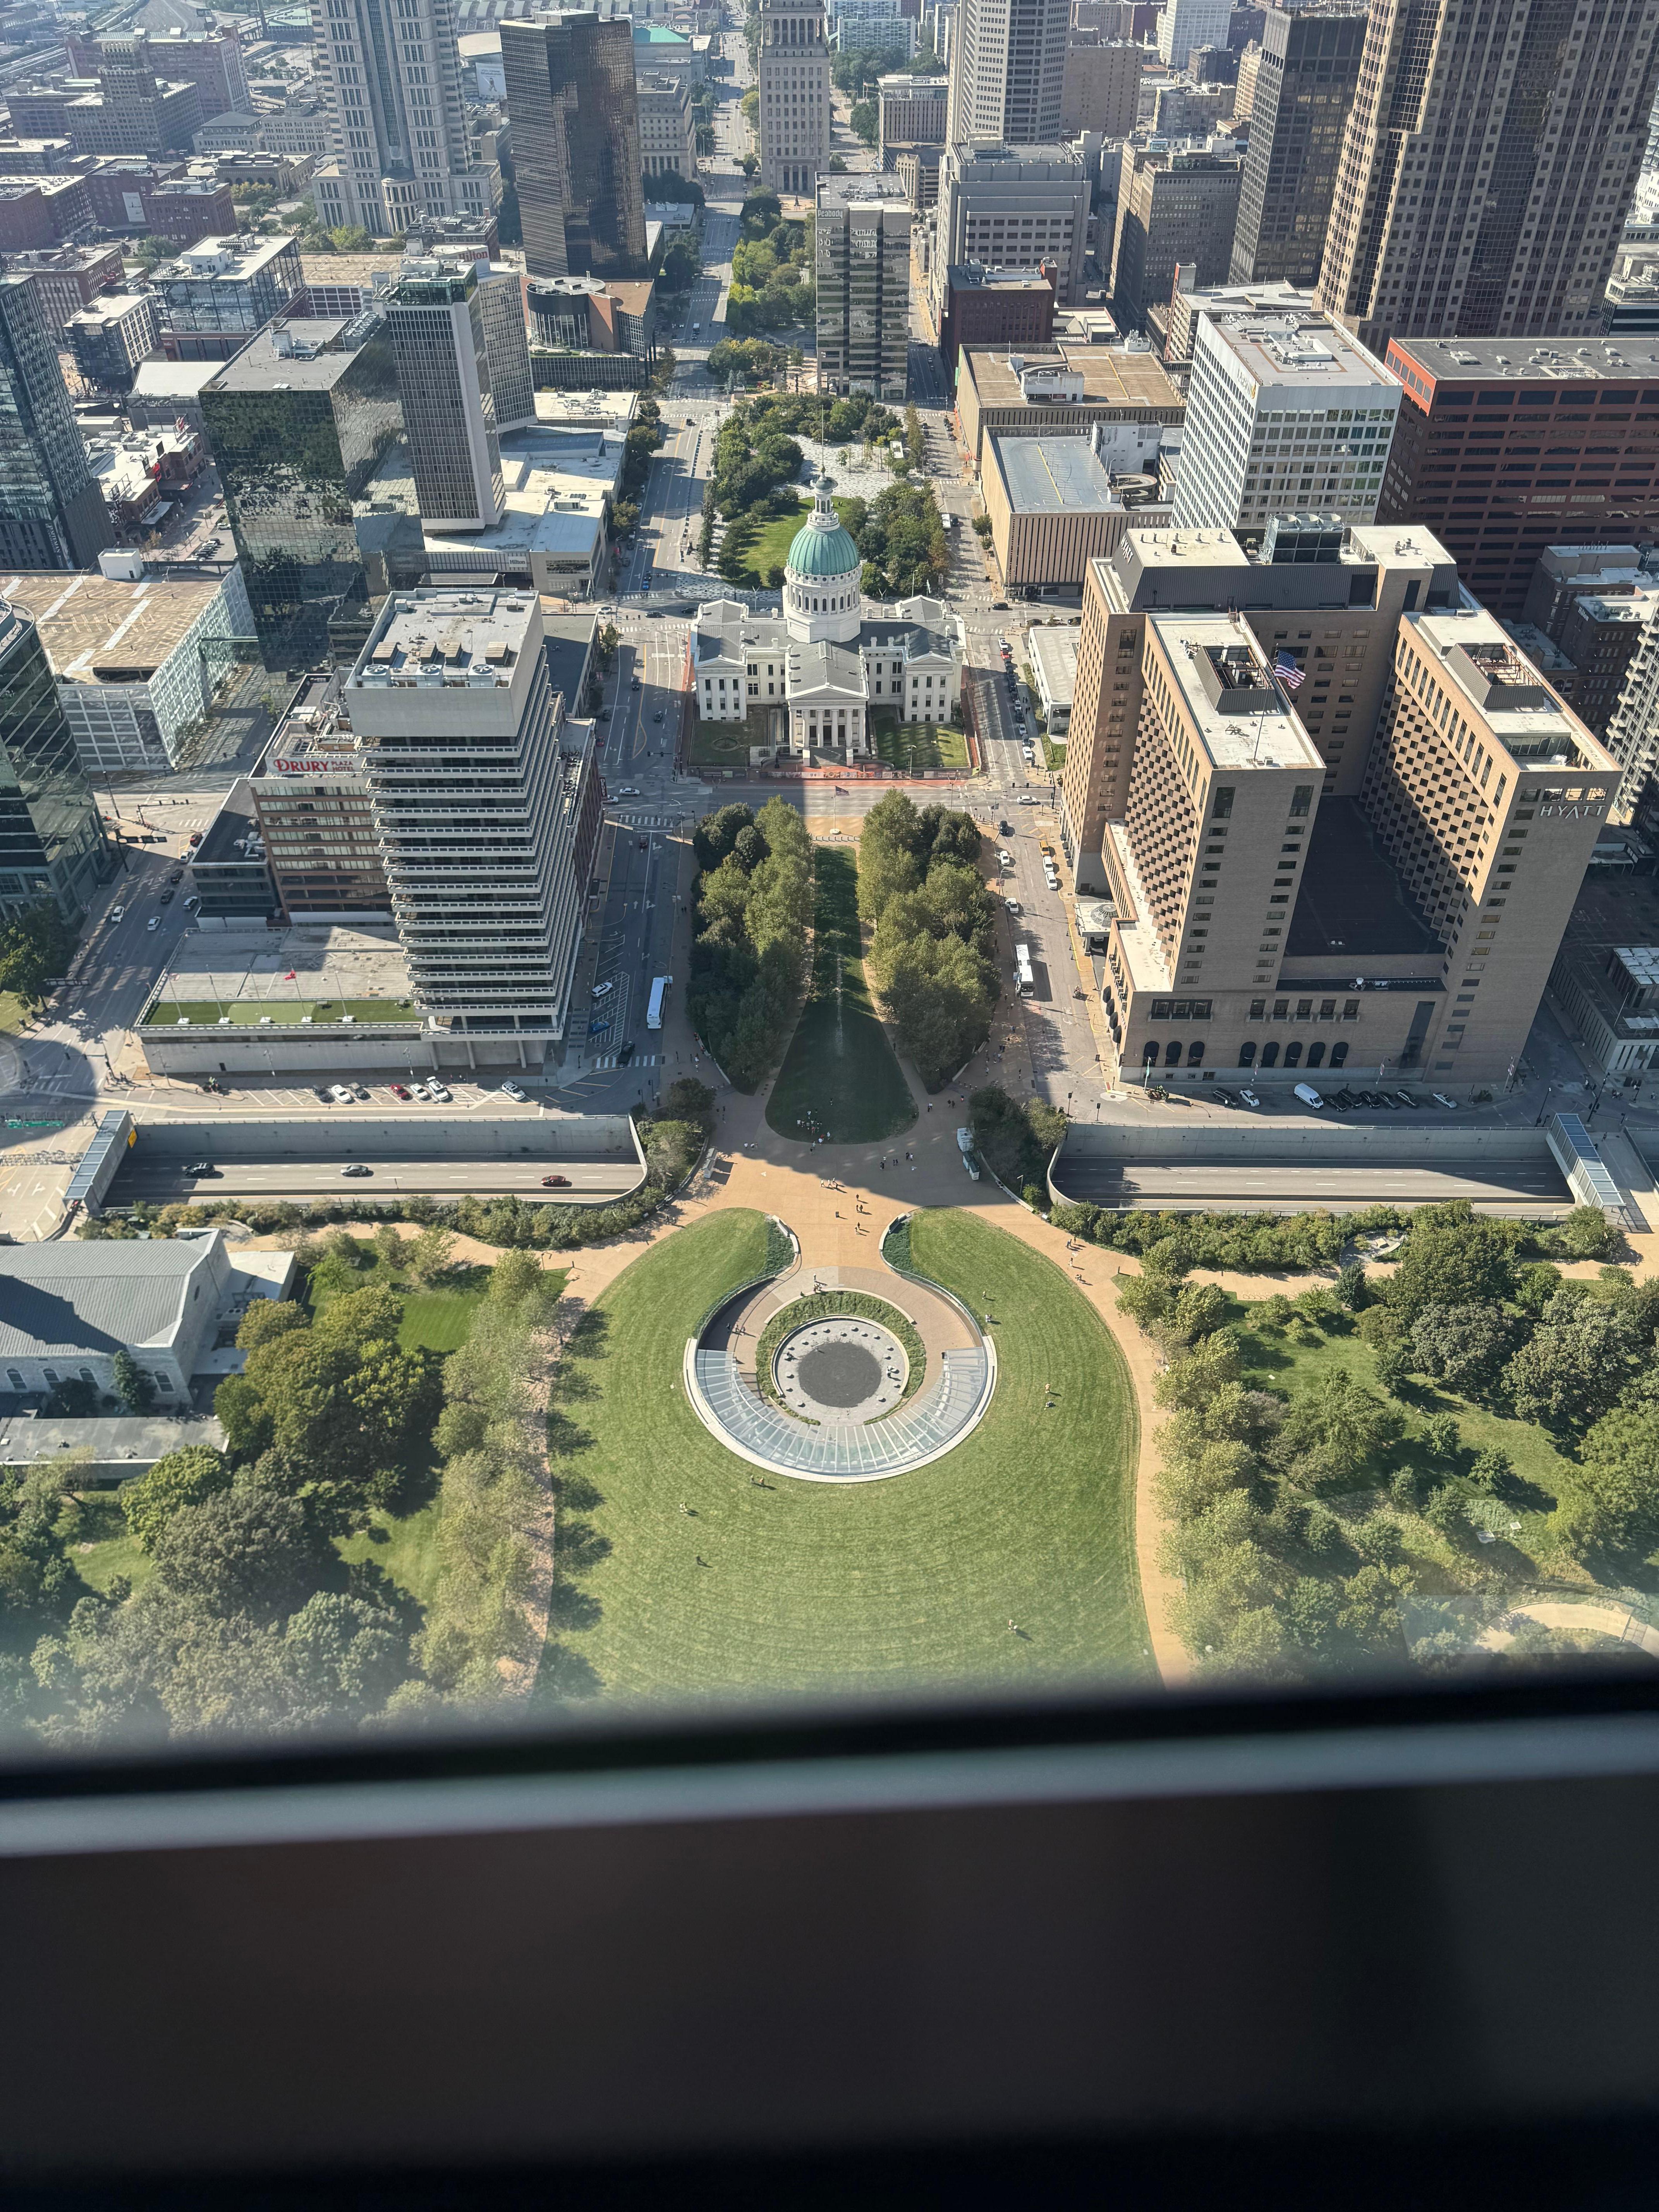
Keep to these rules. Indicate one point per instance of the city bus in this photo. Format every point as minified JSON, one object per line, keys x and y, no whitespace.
{"x":1025,"y":980}
{"x":658,"y":999}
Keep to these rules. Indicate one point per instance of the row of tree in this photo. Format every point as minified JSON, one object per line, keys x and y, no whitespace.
{"x":754,"y":907}
{"x":773,"y":284}
{"x":933,"y":947}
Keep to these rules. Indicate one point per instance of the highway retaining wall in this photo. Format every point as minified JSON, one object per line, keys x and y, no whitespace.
{"x":330,"y":1137}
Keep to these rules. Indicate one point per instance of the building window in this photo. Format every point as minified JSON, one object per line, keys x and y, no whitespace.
{"x":1293,"y":1054}
{"x":1221,"y":803}
{"x":1247,"y":1053}
{"x":1149,"y":1053}
{"x":1270,"y":1054}
{"x":1172,"y":1053}
{"x":1316,"y":1055}
{"x":1339,"y":1054}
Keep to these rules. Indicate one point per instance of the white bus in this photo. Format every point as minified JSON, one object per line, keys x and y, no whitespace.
{"x":1025,"y":980}
{"x":658,"y":999}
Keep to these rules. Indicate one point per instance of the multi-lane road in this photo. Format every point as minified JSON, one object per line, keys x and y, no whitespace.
{"x":588,"y":1184}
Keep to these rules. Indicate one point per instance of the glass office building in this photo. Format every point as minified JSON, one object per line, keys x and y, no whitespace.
{"x":51,"y":846}
{"x":52,"y":513}
{"x":298,"y":422}
{"x":575,"y":111}
{"x":435,"y":317}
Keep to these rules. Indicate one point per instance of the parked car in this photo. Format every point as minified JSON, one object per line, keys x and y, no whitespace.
{"x":603,"y":990}
{"x":1013,"y":905}
{"x":1406,"y":1098}
{"x":326,"y":1097}
{"x":1343,"y":1098}
{"x":355,"y":1168}
{"x":435,"y":1090}
{"x":1224,"y":1098}
{"x":1250,"y":1097}
{"x":1441,"y":1099}
{"x":400,"y":1091}
{"x":419,"y":1090}
{"x":510,"y":1090}
{"x":340,"y":1094}
{"x":556,"y":1182}
{"x":195,"y":837}
{"x":1004,"y":858}
{"x":1307,"y":1095}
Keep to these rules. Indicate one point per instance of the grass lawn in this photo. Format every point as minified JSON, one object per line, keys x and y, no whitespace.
{"x":1283,"y":1359}
{"x":873,"y":1586}
{"x":840,"y":1067}
{"x":13,"y":1012}
{"x":404,"y":1545}
{"x":246,"y":1013}
{"x":769,"y":548}
{"x":110,"y":1551}
{"x":436,"y":1319}
{"x":918,"y":744}
{"x":1052,"y":750}
{"x":725,"y":745}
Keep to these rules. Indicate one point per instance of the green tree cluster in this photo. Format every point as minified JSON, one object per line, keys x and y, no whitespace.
{"x":1015,"y":1138}
{"x":902,"y":541}
{"x":932,"y":959}
{"x":35,"y":948}
{"x":754,"y":905}
{"x":772,"y":281}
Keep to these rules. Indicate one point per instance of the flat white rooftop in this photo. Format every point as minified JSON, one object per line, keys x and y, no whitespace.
{"x":471,"y":638}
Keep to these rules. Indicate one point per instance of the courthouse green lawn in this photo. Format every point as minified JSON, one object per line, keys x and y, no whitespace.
{"x":839,"y":1077}
{"x":804,"y":1586}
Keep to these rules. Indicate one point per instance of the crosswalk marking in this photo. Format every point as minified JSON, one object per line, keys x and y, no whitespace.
{"x":640,"y":1059}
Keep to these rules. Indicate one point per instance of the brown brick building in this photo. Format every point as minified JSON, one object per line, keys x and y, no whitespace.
{"x":997,"y":308}
{"x":1506,"y":446}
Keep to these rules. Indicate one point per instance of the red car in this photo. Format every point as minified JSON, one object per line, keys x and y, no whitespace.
{"x":556,"y":1182}
{"x":400,"y":1091}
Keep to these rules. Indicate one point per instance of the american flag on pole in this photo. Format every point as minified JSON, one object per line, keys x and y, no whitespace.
{"x":1287,"y":672}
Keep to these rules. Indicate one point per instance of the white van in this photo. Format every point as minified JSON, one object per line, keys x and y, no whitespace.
{"x":1307,"y":1095}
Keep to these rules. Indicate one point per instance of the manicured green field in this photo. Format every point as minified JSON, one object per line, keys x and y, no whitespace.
{"x":725,"y":745}
{"x":100,"y":1548}
{"x":405,"y":1545}
{"x":839,"y":1077}
{"x":684,"y":1577}
{"x":919,"y":744}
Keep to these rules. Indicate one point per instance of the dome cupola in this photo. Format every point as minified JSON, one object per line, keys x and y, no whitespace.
{"x":821,"y":576}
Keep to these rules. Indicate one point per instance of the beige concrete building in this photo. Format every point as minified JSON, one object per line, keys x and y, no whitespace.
{"x":910,"y":111}
{"x":1053,"y":508}
{"x":668,"y":131}
{"x":1067,"y":389}
{"x":1487,"y":167}
{"x":1396,"y":904}
{"x":1101,"y":90}
{"x":792,"y":78}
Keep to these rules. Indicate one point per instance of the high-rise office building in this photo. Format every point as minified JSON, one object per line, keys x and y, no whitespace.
{"x":910,"y":110}
{"x":391,"y":81}
{"x":1302,"y":87}
{"x":1101,"y":91}
{"x":574,"y":106}
{"x":436,"y":321}
{"x":50,"y":844}
{"x":1505,"y":448}
{"x":1184,"y":24}
{"x":863,"y":286}
{"x":1286,"y":415}
{"x":52,"y":514}
{"x":1177,"y":207}
{"x":298,"y":422}
{"x":792,"y":79}
{"x":1487,"y":165}
{"x":507,"y":343}
{"x":1011,"y":206}
{"x":1288,"y":895}
{"x":1007,"y":73}
{"x":486,"y":806}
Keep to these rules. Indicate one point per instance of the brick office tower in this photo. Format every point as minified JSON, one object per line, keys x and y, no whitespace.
{"x":1488,"y":166}
{"x":1503,"y":448}
{"x":792,"y":79}
{"x":1305,"y":83}
{"x":1395,"y":905}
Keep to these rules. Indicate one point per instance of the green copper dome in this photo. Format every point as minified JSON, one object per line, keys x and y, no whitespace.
{"x":824,"y":546}
{"x":818,"y":552}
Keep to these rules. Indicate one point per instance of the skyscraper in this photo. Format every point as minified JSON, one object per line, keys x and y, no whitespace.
{"x":484,"y":804}
{"x":864,"y":286}
{"x":507,"y":343}
{"x":1177,"y":207}
{"x":1007,"y":73}
{"x":1304,"y":83}
{"x":51,"y":845}
{"x":1487,"y":167}
{"x":576,"y":113}
{"x":298,"y":423}
{"x":1184,"y":24}
{"x":52,"y":514}
{"x":391,"y":83}
{"x":436,"y":320}
{"x":792,"y":77}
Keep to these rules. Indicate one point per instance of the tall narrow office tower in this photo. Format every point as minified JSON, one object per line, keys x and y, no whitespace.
{"x":52,"y":513}
{"x":793,"y":80}
{"x":485,"y":813}
{"x":506,"y":343}
{"x":1488,"y":165}
{"x":437,"y":324}
{"x":1008,"y":73}
{"x":391,"y":84}
{"x":1305,"y":82}
{"x":574,"y":107}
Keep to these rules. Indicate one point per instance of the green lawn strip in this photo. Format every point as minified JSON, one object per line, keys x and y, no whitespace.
{"x":725,"y":745}
{"x":403,"y":1544}
{"x":839,"y":1070}
{"x":878,"y":1585}
{"x":246,"y":1013}
{"x":917,"y":744}
{"x":108,"y":1549}
{"x":1286,"y":1360}
{"x":769,"y":547}
{"x":14,"y":1012}
{"x":826,"y":1305}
